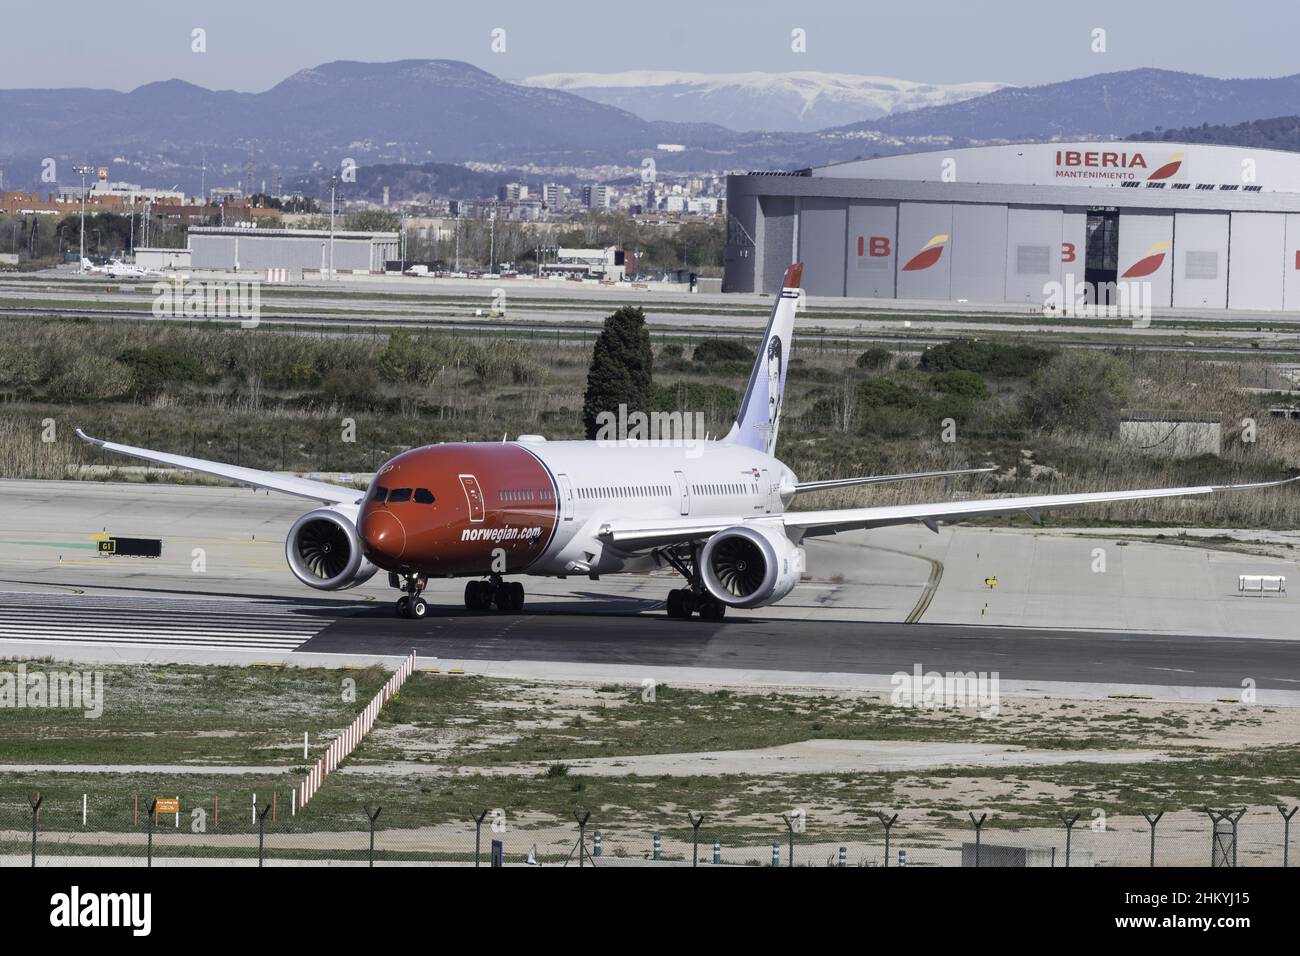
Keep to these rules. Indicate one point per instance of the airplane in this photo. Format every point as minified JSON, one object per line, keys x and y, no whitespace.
{"x":117,"y":269}
{"x":716,"y":511}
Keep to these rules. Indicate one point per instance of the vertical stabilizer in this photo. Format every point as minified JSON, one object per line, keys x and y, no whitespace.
{"x":760,"y":410}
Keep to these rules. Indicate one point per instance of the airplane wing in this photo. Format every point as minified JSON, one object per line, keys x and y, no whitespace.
{"x":879,"y":479}
{"x":644,"y":535}
{"x":321,"y":491}
{"x":808,"y":523}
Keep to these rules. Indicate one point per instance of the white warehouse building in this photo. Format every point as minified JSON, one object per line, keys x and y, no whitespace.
{"x":1202,"y":227}
{"x":235,"y":248}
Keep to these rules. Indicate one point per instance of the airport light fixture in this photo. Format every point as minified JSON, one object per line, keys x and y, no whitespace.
{"x":334,"y":183}
{"x":83,"y":170}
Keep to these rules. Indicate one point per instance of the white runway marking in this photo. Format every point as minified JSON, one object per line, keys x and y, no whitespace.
{"x":158,"y":622}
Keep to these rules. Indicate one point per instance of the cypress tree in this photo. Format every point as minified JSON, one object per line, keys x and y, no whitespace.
{"x":621,"y":368}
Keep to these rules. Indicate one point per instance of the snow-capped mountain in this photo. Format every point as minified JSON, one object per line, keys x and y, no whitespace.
{"x":798,"y":101}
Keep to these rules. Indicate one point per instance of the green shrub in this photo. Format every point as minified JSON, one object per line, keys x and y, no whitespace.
{"x":875,"y":358}
{"x":722,"y":352}
{"x":960,"y":384}
{"x":1083,"y":390}
{"x":154,"y":367}
{"x":996,"y":359}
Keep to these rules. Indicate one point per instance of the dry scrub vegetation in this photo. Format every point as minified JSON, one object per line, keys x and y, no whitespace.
{"x":278,"y":399}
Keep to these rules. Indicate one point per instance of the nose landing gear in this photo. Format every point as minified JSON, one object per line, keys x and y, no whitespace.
{"x":506,"y":595}
{"x":411,"y":605}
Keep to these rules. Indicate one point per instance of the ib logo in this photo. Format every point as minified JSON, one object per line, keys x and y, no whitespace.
{"x":1149,"y":263}
{"x":1170,"y":168}
{"x":874,"y":247}
{"x":930,"y":253}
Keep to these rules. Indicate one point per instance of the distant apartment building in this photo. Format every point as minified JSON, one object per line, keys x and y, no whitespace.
{"x":552,"y":195}
{"x":597,"y":196}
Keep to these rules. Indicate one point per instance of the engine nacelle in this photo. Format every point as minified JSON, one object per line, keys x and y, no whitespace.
{"x":750,"y":565}
{"x":324,"y":551}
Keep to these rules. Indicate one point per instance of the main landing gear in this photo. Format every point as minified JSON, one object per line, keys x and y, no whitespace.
{"x":506,"y":595}
{"x":683,"y":602}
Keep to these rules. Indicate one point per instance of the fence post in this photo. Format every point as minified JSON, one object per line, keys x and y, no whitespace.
{"x":580,"y":847}
{"x":1218,"y":855}
{"x":1069,"y":829}
{"x":372,"y":817}
{"x":261,"y":830}
{"x":1152,"y":821}
{"x":695,"y":837}
{"x":776,"y":854}
{"x":658,"y":848}
{"x":979,"y":825}
{"x":888,"y":822}
{"x":844,"y":855}
{"x":717,"y":850}
{"x":789,"y":826}
{"x":153,"y":805}
{"x":1286,"y":832}
{"x":478,"y":832}
{"x":36,"y":809}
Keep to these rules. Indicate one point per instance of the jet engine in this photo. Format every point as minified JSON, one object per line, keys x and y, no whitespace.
{"x":750,"y":565}
{"x":324,"y":551}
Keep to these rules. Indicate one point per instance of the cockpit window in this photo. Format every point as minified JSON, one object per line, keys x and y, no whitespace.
{"x":399,"y":494}
{"x":423,"y":496}
{"x":379,"y":493}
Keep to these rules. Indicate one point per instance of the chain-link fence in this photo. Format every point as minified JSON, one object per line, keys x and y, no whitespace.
{"x":270,"y":834}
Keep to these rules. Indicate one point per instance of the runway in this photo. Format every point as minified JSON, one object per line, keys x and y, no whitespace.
{"x":633,"y":635}
{"x":156,"y":622}
{"x":1162,"y":620}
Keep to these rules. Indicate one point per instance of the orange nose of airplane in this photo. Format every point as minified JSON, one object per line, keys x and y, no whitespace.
{"x":383,"y":533}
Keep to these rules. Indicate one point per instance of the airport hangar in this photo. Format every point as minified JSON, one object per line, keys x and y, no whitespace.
{"x":1210,"y":227}
{"x":236,"y":248}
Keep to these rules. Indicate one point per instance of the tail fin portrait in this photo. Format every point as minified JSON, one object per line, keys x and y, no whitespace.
{"x":759,"y":417}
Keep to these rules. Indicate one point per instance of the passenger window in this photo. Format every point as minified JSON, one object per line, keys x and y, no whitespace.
{"x":399,"y":494}
{"x":423,"y":496}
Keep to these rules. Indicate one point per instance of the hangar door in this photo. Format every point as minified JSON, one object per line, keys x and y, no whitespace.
{"x":1257,"y":249}
{"x":1291,"y":266}
{"x":1145,"y":252}
{"x":924,"y":250}
{"x":822,"y":224}
{"x":1033,"y":252}
{"x":873,"y":234}
{"x":775,"y":240}
{"x":979,"y":248}
{"x":1200,"y":260}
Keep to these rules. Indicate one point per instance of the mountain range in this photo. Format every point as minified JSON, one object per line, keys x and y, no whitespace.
{"x":798,"y":102}
{"x":422,"y":112}
{"x":1099,"y":106}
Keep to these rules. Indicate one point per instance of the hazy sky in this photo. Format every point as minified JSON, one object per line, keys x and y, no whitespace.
{"x":253,"y":44}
